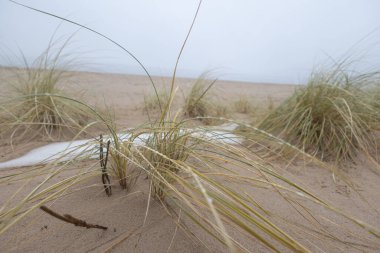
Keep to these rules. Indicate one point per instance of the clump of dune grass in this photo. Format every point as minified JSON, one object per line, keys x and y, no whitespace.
{"x":166,"y":149}
{"x":155,"y":101}
{"x":197,"y":102}
{"x":123,"y":170}
{"x":221,"y":110}
{"x":36,"y":106}
{"x":243,"y":105}
{"x":217,"y":110}
{"x":331,"y":117}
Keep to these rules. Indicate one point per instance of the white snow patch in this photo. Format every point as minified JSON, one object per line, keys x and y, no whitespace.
{"x":65,"y":151}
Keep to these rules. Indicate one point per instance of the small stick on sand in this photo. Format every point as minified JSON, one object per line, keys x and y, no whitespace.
{"x":70,"y":219}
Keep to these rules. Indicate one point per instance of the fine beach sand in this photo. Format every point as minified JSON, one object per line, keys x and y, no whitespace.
{"x":123,"y":213}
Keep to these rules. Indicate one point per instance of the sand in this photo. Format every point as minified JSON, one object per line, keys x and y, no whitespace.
{"x":123,"y":213}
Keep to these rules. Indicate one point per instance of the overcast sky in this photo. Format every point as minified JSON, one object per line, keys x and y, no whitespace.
{"x":251,"y":40}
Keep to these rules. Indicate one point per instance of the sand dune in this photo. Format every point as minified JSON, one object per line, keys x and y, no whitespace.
{"x":124,"y":213}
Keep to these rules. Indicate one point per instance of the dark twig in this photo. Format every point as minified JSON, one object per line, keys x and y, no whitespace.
{"x":70,"y":219}
{"x":103,"y":164}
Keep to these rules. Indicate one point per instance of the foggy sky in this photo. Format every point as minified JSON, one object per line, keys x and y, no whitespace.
{"x":251,"y":40}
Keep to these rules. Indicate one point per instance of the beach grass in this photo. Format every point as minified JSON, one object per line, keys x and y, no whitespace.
{"x":152,"y":102}
{"x":197,"y":102}
{"x":243,"y":105}
{"x":332,"y":117}
{"x":37,"y":106}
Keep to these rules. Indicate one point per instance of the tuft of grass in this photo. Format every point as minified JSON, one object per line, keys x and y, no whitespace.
{"x":122,"y":169}
{"x":221,"y":110}
{"x":166,"y":149}
{"x":243,"y":105}
{"x":37,"y":107}
{"x":331,"y":117}
{"x":156,"y":100}
{"x":217,"y":111}
{"x":197,"y":102}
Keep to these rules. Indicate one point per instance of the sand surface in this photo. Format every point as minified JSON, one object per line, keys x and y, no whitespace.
{"x":123,"y":213}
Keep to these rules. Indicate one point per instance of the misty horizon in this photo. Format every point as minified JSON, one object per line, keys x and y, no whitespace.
{"x":252,"y":41}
